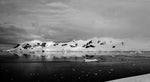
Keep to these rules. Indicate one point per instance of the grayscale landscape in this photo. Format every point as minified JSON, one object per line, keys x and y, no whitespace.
{"x":75,"y":40}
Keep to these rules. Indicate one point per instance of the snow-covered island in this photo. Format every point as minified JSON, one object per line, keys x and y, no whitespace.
{"x":90,"y":45}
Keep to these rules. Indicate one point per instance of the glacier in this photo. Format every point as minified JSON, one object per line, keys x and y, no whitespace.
{"x":104,"y":44}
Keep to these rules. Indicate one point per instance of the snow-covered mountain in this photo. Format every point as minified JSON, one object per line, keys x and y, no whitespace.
{"x":94,"y":44}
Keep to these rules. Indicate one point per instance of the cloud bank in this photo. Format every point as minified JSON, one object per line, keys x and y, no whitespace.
{"x":65,"y":20}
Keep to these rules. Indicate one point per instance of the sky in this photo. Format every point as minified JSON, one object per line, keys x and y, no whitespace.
{"x":66,"y":20}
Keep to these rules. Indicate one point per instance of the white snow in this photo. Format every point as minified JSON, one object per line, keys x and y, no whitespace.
{"x":140,"y":78}
{"x":94,"y":44}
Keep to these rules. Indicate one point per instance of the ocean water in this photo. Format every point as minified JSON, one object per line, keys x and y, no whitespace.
{"x":22,"y":69}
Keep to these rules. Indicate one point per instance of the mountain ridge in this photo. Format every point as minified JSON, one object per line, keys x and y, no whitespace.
{"x":94,"y":44}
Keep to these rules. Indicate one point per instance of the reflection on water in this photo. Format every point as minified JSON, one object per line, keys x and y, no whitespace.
{"x":117,"y":56}
{"x":18,"y":69}
{"x":50,"y":56}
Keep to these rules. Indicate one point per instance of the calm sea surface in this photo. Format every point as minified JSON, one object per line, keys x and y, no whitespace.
{"x":21,"y":69}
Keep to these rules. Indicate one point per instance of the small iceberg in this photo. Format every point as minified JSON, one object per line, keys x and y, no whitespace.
{"x":90,"y":60}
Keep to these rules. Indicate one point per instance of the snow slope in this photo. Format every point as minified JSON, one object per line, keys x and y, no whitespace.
{"x":94,"y":44}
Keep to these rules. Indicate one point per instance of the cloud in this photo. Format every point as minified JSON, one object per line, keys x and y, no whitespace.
{"x":57,"y":4}
{"x":113,"y":20}
{"x":64,"y":20}
{"x":10,"y":34}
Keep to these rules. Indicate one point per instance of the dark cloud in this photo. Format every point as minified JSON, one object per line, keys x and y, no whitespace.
{"x":10,"y":34}
{"x":65,"y":20}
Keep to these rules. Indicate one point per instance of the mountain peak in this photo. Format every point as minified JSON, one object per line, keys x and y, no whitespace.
{"x":94,"y":44}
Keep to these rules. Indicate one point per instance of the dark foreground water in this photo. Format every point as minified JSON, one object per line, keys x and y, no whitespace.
{"x":18,"y":69}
